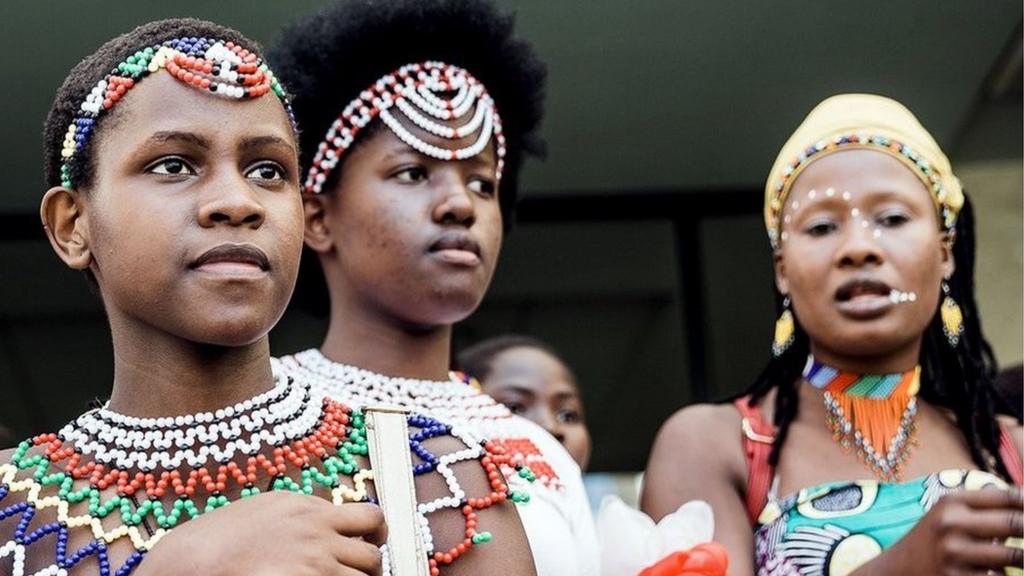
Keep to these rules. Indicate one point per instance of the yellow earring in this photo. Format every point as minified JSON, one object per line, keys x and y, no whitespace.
{"x":784,"y":330}
{"x":952,"y":317}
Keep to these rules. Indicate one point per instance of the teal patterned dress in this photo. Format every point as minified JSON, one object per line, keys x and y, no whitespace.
{"x":831,"y":529}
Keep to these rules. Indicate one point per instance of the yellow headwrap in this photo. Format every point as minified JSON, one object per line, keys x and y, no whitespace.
{"x":863,"y":121}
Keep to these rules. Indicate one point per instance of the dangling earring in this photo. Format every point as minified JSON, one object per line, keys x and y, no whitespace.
{"x":784,"y":330}
{"x":952,"y":317}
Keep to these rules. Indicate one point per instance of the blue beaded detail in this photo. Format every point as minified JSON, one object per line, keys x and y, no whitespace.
{"x":428,"y":428}
{"x":61,"y":558}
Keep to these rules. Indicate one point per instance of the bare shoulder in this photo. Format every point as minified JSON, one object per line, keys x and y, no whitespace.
{"x":697,"y":450}
{"x":500,"y":520}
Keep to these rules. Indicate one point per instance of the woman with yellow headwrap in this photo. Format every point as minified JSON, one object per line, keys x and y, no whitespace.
{"x":862,"y":445}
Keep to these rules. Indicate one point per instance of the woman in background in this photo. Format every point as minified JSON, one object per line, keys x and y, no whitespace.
{"x":526,"y":375}
{"x":861,"y":446}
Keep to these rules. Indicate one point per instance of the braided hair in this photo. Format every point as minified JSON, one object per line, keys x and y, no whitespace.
{"x":960,"y":379}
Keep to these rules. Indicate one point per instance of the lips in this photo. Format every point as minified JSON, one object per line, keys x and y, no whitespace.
{"x":862,"y":287}
{"x":457,"y":248}
{"x":864,"y":298}
{"x":232,"y":259}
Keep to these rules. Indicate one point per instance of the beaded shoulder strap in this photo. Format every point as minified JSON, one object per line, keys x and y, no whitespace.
{"x":758,"y":438}
{"x":1009,"y":454}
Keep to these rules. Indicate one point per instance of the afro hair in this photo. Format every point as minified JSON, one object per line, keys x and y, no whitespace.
{"x":329,"y":57}
{"x":84,"y":76}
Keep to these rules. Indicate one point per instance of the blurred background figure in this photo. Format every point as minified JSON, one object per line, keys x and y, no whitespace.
{"x":526,"y":375}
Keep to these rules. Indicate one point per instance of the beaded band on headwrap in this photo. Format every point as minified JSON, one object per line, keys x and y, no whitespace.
{"x":863,"y":121}
{"x":222,"y":68}
{"x":423,"y":93}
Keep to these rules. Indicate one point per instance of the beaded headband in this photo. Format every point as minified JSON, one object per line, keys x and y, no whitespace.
{"x":422,"y":92}
{"x":222,"y":68}
{"x":865,"y":121}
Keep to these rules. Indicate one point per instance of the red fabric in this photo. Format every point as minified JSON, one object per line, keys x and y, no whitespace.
{"x":1010,"y":456}
{"x":708,"y":559}
{"x":759,"y":471}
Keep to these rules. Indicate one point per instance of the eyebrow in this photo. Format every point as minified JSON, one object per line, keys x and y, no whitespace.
{"x":179,"y":136}
{"x":263,"y":141}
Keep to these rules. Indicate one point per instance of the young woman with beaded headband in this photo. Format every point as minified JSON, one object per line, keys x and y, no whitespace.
{"x":879,"y":371}
{"x":416,"y":117}
{"x":202,"y":163}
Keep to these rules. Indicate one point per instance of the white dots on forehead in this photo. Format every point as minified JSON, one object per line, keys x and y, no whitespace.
{"x":830,"y":192}
{"x":812,"y":194}
{"x":847,"y":196}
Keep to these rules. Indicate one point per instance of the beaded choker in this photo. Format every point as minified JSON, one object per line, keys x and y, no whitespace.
{"x":429,"y":95}
{"x":872,"y":413}
{"x":455,"y":401}
{"x":222,"y":68}
{"x":290,"y":438}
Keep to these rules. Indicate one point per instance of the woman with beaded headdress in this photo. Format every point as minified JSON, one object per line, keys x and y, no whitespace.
{"x":172,"y":160}
{"x":864,"y":444}
{"x":416,"y":118}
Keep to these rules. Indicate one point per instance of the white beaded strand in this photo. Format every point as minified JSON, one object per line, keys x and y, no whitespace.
{"x":420,"y":92}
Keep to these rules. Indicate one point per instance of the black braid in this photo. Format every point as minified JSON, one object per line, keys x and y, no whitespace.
{"x":959,"y":380}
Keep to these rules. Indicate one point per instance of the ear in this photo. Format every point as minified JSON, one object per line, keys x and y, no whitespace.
{"x":948,"y":261}
{"x":780,"y":273}
{"x":317,"y":234}
{"x":67,"y":226}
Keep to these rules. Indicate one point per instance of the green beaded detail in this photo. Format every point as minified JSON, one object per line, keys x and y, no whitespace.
{"x":328,"y":475}
{"x":519,"y":497}
{"x":526,"y":474}
{"x":482,"y":537}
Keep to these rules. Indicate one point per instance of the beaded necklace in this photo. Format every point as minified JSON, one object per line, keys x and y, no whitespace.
{"x":457,"y":401}
{"x":872,"y":413}
{"x":313,"y":442}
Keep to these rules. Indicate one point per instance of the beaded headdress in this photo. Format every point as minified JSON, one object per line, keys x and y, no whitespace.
{"x":869,"y":122}
{"x":222,"y":68}
{"x":425,"y":93}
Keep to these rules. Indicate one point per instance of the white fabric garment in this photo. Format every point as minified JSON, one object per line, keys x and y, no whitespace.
{"x":557,"y":520}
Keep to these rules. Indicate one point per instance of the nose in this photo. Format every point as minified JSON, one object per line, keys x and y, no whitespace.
{"x":859,"y":247}
{"x":455,"y":205}
{"x":231,"y":201}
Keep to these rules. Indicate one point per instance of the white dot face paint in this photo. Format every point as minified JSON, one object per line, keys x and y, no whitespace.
{"x":812,"y":194}
{"x":855,"y":213}
{"x":785,"y":236}
{"x":877,"y":233}
{"x":899,"y":297}
{"x":788,"y":218}
{"x":795,"y":205}
{"x":830,"y":192}
{"x":847,"y":196}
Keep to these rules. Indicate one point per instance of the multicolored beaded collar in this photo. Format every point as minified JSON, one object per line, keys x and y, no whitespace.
{"x":931,"y":178}
{"x":872,"y":413}
{"x":222,"y":68}
{"x":423,"y":92}
{"x":106,"y":464}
